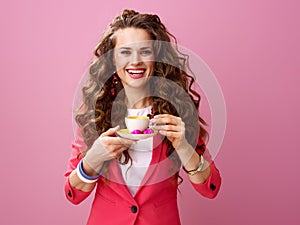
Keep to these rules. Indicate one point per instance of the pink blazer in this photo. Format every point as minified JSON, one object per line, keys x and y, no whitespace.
{"x":155,"y":202}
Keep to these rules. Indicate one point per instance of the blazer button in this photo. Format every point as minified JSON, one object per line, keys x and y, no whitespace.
{"x":212,"y":187}
{"x":134,"y":209}
{"x":69,"y":194}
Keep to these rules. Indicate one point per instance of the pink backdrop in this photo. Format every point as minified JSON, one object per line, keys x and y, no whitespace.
{"x":253,"y":48}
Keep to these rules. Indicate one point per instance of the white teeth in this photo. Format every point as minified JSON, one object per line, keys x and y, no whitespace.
{"x":135,"y":71}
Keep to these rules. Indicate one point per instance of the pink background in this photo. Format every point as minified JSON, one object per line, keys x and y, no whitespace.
{"x":253,"y":48}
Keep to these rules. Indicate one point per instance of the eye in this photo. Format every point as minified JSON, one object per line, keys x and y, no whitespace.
{"x":125,"y":52}
{"x":146,"y":52}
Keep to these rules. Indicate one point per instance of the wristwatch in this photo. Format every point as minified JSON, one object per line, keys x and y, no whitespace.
{"x":198,"y":169}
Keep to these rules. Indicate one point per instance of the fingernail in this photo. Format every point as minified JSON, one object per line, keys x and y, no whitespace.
{"x":152,"y":121}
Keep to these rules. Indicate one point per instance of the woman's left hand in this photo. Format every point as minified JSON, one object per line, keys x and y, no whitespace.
{"x":170,"y":126}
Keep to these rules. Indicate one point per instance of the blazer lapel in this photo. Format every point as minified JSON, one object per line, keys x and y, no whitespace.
{"x":115,"y":176}
{"x":159,"y":168}
{"x":156,"y":156}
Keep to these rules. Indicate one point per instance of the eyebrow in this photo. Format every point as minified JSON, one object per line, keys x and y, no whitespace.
{"x":125,"y":48}
{"x":146,"y":47}
{"x":129,"y":48}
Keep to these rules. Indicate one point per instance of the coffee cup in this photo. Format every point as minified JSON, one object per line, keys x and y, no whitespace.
{"x":137,"y":123}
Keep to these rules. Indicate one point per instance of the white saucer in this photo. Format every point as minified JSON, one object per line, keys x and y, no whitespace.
{"x":124,"y":133}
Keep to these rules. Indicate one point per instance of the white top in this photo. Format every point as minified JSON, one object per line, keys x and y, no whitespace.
{"x":140,"y":153}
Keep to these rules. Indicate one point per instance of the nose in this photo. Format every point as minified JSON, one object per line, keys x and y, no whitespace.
{"x":135,"y":59}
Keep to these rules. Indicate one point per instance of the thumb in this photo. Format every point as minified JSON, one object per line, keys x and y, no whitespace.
{"x":112,"y":131}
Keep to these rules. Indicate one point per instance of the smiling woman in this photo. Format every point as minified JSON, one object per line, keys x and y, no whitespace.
{"x":136,"y":179}
{"x":134,"y":57}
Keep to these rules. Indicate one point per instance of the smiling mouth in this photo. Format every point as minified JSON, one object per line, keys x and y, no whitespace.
{"x":136,"y":73}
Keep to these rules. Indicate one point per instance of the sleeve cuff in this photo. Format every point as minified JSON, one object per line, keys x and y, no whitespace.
{"x":211,"y":186}
{"x":74,"y":195}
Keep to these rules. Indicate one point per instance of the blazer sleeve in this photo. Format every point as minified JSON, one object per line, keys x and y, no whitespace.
{"x":74,"y":195}
{"x":211,"y":186}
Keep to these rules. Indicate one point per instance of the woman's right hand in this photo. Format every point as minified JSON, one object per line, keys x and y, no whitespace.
{"x":108,"y":146}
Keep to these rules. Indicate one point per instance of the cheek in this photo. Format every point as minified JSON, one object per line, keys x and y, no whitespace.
{"x":120,"y":62}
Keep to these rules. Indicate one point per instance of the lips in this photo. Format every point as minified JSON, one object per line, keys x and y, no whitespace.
{"x":136,"y":73}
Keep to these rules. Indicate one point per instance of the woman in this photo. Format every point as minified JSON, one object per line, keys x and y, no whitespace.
{"x":137,"y":71}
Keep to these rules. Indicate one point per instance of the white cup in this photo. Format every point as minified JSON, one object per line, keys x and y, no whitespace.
{"x":137,"y":123}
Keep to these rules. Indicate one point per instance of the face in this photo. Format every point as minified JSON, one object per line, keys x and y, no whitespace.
{"x":134,"y":56}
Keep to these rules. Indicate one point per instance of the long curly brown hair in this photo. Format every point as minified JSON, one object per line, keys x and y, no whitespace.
{"x":95,"y":115}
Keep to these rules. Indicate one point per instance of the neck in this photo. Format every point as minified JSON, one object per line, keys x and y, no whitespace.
{"x":137,"y":98}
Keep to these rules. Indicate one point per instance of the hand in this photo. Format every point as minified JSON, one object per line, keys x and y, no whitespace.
{"x":106,"y":147}
{"x":170,"y":126}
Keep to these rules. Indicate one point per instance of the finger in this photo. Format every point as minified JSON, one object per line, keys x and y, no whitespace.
{"x":163,"y":115}
{"x":117,"y":141}
{"x":111,"y":131}
{"x":170,"y":134}
{"x":126,"y":142}
{"x":116,"y":148}
{"x":168,"y":119}
{"x":118,"y":152}
{"x":122,"y":149}
{"x":168,"y":128}
{"x":113,"y":151}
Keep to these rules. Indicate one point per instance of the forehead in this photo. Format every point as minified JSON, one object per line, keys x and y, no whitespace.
{"x":132,"y":37}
